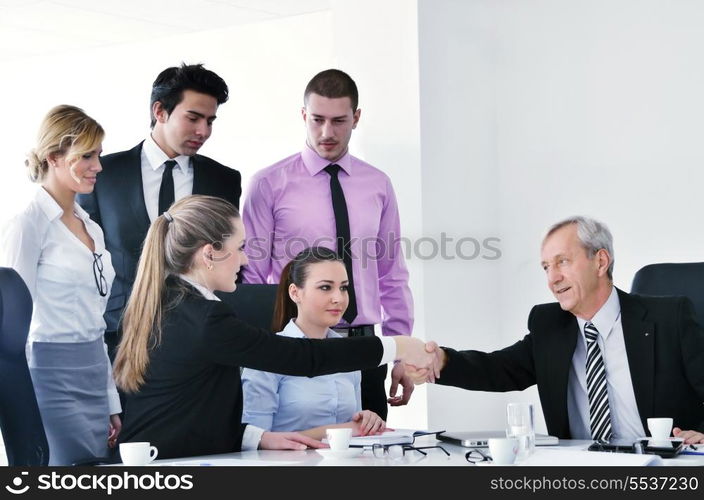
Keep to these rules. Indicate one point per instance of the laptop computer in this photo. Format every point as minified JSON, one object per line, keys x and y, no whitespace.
{"x":480,"y":439}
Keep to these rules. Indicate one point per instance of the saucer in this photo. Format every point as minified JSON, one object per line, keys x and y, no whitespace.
{"x":339,"y":454}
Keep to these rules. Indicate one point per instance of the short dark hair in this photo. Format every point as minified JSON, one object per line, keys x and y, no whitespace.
{"x":169,"y":86}
{"x":333,"y":83}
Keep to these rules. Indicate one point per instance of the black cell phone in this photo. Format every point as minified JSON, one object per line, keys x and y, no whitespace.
{"x":666,"y":449}
{"x":615,"y":446}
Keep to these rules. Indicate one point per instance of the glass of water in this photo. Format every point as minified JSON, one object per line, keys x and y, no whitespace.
{"x":519,"y":425}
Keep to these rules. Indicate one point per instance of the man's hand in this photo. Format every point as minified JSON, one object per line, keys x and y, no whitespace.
{"x":417,"y":356}
{"x":288,"y":441}
{"x":422,"y":375}
{"x":690,"y":437}
{"x":398,"y":376}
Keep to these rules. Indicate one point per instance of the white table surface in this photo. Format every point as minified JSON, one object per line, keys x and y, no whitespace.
{"x":434,"y":457}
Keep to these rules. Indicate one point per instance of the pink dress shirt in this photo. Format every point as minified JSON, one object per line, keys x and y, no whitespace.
{"x":289,"y":207}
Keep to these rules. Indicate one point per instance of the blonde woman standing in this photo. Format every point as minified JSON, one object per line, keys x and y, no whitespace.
{"x":60,"y":253}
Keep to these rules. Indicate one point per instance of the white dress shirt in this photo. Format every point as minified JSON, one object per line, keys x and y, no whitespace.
{"x":57,"y":268}
{"x":625,"y":419}
{"x":252,"y":434}
{"x":153,"y":159}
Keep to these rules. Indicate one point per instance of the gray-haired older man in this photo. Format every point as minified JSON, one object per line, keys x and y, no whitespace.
{"x":604,"y":360}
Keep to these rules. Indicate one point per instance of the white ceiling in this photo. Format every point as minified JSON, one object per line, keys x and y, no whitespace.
{"x":42,"y":27}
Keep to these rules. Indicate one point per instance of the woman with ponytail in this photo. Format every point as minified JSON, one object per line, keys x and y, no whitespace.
{"x":310,"y":300}
{"x":60,"y":253}
{"x":182,"y":348}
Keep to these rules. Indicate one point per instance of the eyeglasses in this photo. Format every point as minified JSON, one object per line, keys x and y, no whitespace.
{"x":100,"y":282}
{"x":397,"y":451}
{"x":475,"y":456}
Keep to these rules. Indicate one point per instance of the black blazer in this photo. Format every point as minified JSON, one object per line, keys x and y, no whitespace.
{"x":117,"y":205}
{"x":191,"y":401}
{"x":664,"y":346}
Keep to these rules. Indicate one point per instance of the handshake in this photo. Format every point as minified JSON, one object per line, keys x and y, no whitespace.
{"x":423,"y":362}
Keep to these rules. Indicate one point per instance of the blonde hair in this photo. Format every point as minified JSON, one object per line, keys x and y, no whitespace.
{"x":169,"y":248}
{"x":65,"y":130}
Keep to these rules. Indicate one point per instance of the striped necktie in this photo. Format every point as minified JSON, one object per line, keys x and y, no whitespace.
{"x":599,"y":413}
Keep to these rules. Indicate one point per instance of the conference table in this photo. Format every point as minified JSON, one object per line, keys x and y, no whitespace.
{"x":567,"y":452}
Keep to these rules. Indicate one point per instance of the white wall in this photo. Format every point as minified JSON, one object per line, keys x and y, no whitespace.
{"x":459,"y":194}
{"x":382,"y":57}
{"x":545,"y":109}
{"x":266,"y":66}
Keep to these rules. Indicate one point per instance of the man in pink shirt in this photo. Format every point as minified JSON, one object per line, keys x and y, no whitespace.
{"x":325,"y":196}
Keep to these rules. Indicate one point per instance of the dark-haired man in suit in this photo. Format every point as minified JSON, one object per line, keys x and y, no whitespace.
{"x":137,"y":185}
{"x":604,"y":360}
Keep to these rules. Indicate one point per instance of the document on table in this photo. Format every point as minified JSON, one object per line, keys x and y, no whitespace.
{"x":693,"y":449}
{"x":397,"y":436}
{"x":228,"y":462}
{"x":576,"y":457}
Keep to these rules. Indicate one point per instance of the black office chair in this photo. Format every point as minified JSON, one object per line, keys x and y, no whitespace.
{"x":253,"y":304}
{"x":20,"y":421}
{"x":683,"y":279}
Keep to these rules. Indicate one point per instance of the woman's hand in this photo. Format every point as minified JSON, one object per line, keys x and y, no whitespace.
{"x":365,"y":423}
{"x":114,"y":429}
{"x":288,"y":441}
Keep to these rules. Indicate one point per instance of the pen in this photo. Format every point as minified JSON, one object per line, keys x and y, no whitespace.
{"x":692,"y":450}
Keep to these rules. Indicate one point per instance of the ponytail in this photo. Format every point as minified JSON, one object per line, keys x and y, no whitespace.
{"x":172,"y":241}
{"x":284,"y":309}
{"x":142,"y":318}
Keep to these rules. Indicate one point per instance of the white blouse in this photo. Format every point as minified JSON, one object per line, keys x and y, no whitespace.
{"x":58,"y":269}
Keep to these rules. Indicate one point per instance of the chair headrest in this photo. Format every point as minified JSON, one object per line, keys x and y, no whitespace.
{"x":15,"y":313}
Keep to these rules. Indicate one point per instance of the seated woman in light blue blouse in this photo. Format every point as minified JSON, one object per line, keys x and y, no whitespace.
{"x":311,"y":298}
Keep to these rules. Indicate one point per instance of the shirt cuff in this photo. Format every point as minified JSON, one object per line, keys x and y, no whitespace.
{"x":114,"y":402}
{"x":251,"y":437}
{"x":389,"y":354}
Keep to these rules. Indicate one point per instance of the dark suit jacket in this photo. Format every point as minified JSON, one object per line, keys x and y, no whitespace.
{"x":664,"y":346}
{"x":191,"y":401}
{"x":117,"y":205}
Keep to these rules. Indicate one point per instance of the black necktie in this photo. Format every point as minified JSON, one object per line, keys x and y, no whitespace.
{"x":166,"y":190}
{"x":599,"y":414}
{"x":342,"y":225}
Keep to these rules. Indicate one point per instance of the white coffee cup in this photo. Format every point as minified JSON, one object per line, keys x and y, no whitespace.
{"x":503,"y":450}
{"x":660,"y":428}
{"x":339,"y":439}
{"x":141,"y":453}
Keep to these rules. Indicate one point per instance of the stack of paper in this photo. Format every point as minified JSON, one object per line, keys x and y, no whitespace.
{"x":398,"y":436}
{"x":562,"y":456}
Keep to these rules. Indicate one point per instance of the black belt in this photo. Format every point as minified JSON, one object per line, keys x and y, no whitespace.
{"x":357,"y":331}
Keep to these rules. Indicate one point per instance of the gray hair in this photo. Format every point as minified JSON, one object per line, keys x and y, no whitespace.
{"x":593,"y":235}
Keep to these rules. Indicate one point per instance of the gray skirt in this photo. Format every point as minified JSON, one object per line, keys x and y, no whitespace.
{"x":70,"y":380}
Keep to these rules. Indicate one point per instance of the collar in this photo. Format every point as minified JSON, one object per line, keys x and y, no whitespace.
{"x":156,"y":157}
{"x":52,"y":210}
{"x":292,"y":330}
{"x":606,"y":317}
{"x":315,"y":164}
{"x":209,"y":295}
